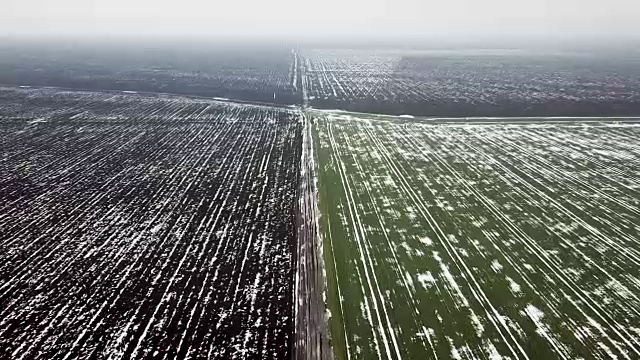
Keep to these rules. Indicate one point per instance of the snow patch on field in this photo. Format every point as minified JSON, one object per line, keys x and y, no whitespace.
{"x":496,"y":266}
{"x":515,"y":288}
{"x":491,"y":350}
{"x":426,"y":241}
{"x":477,"y":325}
{"x":426,"y":280}
{"x":156,"y":229}
{"x":410,"y":282}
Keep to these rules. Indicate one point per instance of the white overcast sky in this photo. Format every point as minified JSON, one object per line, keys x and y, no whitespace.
{"x":322,"y":17}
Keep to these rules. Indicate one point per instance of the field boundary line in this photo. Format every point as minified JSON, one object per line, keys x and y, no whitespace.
{"x":311,"y":341}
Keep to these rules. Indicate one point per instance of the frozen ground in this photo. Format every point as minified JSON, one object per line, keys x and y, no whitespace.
{"x":145,"y":227}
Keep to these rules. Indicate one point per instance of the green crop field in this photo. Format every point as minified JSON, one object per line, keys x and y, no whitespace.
{"x":464,"y":241}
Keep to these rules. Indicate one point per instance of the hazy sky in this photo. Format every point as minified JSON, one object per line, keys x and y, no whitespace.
{"x":322,"y":17}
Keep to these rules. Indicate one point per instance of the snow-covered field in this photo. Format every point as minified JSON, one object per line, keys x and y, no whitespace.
{"x":145,"y":227}
{"x":470,"y":83}
{"x":140,"y":226}
{"x":474,"y":241}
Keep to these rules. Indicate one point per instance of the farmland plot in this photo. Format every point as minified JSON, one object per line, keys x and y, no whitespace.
{"x":480,"y":240}
{"x":251,"y":72}
{"x":138,"y":227}
{"x":471,"y":83}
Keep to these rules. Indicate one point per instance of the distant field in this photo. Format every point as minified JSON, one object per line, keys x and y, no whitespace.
{"x":251,"y":72}
{"x":446,"y":83}
{"x":479,"y":241}
{"x":141,"y":227}
{"x":472,"y":82}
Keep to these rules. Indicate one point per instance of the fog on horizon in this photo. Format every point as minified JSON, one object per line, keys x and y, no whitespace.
{"x":327,"y":18}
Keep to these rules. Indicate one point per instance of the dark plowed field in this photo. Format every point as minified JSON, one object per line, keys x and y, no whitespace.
{"x":137,"y":227}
